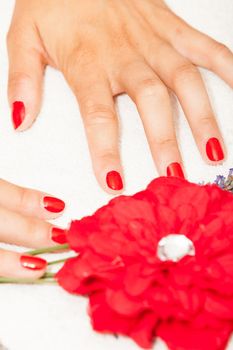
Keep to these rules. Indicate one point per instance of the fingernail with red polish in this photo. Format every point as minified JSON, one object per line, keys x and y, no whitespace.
{"x":32,"y":262}
{"x":114,"y":180}
{"x":214,"y":150}
{"x":18,"y":113}
{"x":59,"y":235}
{"x":174,"y":169}
{"x":53,"y":205}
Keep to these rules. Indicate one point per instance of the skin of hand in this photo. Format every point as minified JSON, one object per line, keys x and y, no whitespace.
{"x":105,"y":48}
{"x":23,"y":215}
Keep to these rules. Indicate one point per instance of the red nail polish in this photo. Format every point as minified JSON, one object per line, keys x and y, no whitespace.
{"x":18,"y":113}
{"x":32,"y":262}
{"x":53,"y":205}
{"x":114,"y":180}
{"x":214,"y":149}
{"x":59,"y":235}
{"x":174,"y":169}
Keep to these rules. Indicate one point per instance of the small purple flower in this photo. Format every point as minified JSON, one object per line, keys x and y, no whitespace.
{"x":225,"y":183}
{"x":220,"y":180}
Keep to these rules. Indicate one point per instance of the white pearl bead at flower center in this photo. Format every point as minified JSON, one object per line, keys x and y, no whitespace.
{"x":174,"y":247}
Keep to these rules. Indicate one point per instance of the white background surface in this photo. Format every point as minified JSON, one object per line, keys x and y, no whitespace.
{"x":53,"y":156}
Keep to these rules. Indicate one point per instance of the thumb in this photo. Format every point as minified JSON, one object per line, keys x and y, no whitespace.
{"x":26,"y":70}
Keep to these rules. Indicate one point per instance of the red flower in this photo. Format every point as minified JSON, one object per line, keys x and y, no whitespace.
{"x":187,"y":303}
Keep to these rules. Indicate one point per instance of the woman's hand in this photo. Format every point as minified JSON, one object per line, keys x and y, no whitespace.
{"x":108,"y":47}
{"x":22,"y":222}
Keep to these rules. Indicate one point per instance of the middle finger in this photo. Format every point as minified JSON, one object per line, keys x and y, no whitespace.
{"x":151,"y":96}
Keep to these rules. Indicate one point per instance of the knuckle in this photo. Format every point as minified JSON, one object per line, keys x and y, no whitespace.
{"x":78,"y":61}
{"x":151,"y":87}
{"x":164,"y":143}
{"x":98,"y":114}
{"x":179,"y":30}
{"x":38,"y":232}
{"x":220,"y":51}
{"x":24,"y":199}
{"x":32,"y":227}
{"x":206,"y":121}
{"x":17,"y":77}
{"x":107,"y":154}
{"x":15,"y":34}
{"x":184,"y":73}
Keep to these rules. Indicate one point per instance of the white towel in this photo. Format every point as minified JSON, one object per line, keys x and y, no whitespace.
{"x":53,"y":156}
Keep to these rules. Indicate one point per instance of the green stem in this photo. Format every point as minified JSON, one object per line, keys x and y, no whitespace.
{"x":48,"y":275}
{"x":56,"y":248}
{"x":27,"y":280}
{"x":57,"y":261}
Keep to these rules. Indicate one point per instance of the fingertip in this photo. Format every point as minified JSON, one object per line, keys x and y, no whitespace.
{"x":53,"y":205}
{"x":16,"y":265}
{"x":113,"y":192}
{"x":30,"y":202}
{"x":59,"y":235}
{"x":215,"y":150}
{"x":108,"y":171}
{"x":26,"y":72}
{"x":114,"y":180}
{"x":25,"y":95}
{"x":111,"y":180}
{"x":22,"y":116}
{"x":31,"y":266}
{"x":175,"y":169}
{"x":32,"y":263}
{"x":212,"y":150}
{"x":17,"y":114}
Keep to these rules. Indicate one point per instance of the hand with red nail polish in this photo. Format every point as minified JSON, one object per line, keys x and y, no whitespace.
{"x":23,"y":221}
{"x":140,"y":55}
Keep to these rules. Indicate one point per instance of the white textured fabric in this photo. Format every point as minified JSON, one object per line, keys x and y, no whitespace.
{"x":53,"y":156}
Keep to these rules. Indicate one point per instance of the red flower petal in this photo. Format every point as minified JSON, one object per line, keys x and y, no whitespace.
{"x":104,"y":319}
{"x":143,"y":332}
{"x":134,"y":283}
{"x":167,"y":219}
{"x":136,"y":209}
{"x":163,"y":187}
{"x":79,"y":231}
{"x":182,"y":336}
{"x":223,"y":310}
{"x":119,"y":302}
{"x":192,"y":194}
{"x":66,"y":277}
{"x":189,"y":303}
